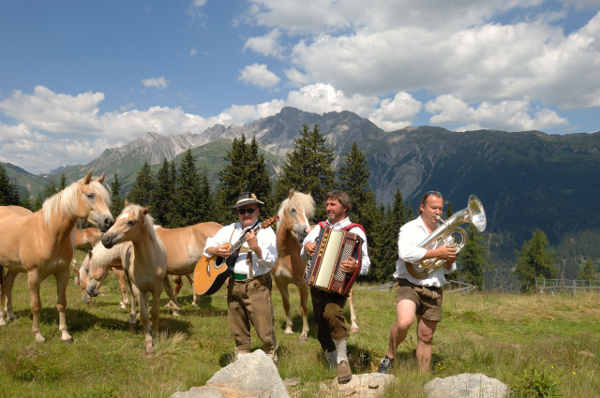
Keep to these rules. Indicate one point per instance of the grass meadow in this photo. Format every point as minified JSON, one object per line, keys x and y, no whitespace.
{"x":541,"y":345}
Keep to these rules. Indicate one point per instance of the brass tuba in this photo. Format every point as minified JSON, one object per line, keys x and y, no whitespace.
{"x":450,"y":234}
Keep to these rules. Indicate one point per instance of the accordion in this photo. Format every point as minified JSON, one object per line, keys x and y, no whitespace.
{"x":323,"y":269}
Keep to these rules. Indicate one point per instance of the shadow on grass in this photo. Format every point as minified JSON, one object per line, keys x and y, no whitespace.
{"x":81,"y":321}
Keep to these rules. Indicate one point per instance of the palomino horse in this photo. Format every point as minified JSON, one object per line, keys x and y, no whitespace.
{"x":84,"y":239}
{"x":184,"y":248}
{"x":292,"y":228}
{"x":40,"y":243}
{"x":289,"y":267}
{"x":109,"y":259}
{"x":145,"y":263}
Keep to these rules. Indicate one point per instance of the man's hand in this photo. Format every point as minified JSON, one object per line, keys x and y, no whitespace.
{"x":310,"y":248}
{"x":349,"y":265}
{"x":446,"y":252}
{"x":223,"y":250}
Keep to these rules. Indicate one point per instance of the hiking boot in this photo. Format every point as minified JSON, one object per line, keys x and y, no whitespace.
{"x":386,"y":365}
{"x":344,"y":374}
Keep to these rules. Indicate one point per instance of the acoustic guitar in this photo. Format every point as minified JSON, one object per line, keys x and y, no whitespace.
{"x":211,"y":272}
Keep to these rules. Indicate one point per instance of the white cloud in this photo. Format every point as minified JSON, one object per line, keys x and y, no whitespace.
{"x":199,"y":3}
{"x":193,"y":52}
{"x":320,"y":98}
{"x":396,"y":113}
{"x":156,"y":82}
{"x":296,"y":77}
{"x":259,"y":75}
{"x":504,"y":115}
{"x":266,"y":45}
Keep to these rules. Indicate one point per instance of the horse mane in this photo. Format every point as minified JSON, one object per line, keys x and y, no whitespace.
{"x":298,"y":200}
{"x":67,"y":199}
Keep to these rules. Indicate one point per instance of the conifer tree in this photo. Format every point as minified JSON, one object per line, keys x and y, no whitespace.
{"x":189,"y":199}
{"x":163,"y":197}
{"x":38,"y":203}
{"x":5,"y":188}
{"x":141,"y":193}
{"x":588,"y":271}
{"x":63,"y":182}
{"x":535,"y":260}
{"x":116,"y":201}
{"x":308,"y":168}
{"x":384,"y":253}
{"x":245,"y":172}
{"x":353,"y":177}
{"x":398,"y":211}
{"x":472,"y":258}
{"x":50,"y":190}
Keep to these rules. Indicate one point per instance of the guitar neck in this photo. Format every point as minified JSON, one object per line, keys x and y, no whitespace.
{"x":242,"y":239}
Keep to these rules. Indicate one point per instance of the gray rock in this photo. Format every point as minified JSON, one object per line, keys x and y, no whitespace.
{"x":253,"y":373}
{"x":366,"y":385}
{"x":466,"y":385}
{"x":199,"y":392}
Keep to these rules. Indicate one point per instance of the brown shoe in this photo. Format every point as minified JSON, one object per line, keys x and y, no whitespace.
{"x":344,"y":374}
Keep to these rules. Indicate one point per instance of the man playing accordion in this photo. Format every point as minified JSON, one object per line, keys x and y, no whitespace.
{"x":327,"y":305}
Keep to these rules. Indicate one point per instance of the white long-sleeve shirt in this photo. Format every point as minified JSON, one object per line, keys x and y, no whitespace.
{"x":338,"y":226}
{"x":266,"y":241}
{"x":410,"y":235}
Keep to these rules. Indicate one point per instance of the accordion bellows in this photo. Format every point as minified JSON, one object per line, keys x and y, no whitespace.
{"x":323,"y":269}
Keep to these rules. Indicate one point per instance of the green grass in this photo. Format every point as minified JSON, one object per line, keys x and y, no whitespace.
{"x":520,"y":339}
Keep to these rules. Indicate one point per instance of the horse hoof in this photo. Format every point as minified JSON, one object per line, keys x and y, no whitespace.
{"x":2,"y":322}
{"x":303,"y":337}
{"x":288,"y":332}
{"x":39,"y":338}
{"x":354,"y":329}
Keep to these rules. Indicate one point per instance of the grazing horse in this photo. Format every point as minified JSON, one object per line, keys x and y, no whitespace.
{"x":184,"y":248}
{"x":293,"y":226}
{"x":41,"y":243}
{"x":109,"y":259}
{"x":145,"y":263}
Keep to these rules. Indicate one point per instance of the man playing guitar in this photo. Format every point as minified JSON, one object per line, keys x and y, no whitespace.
{"x":249,"y":288}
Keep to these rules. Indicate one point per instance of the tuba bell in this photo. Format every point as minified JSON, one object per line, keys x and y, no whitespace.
{"x":450,"y":234}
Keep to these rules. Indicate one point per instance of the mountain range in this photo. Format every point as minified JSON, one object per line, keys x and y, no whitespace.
{"x":526,"y":180}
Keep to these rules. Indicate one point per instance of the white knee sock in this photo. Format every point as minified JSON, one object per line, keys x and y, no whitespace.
{"x":340,"y":347}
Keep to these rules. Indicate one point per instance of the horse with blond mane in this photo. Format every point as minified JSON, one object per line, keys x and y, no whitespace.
{"x":41,"y":243}
{"x":184,"y":248}
{"x":292,"y":227}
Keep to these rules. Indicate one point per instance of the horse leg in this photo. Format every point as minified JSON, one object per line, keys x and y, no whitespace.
{"x":62,"y":279}
{"x":135,"y":296}
{"x":354,"y":328}
{"x":33,"y":283}
{"x":194,"y":296}
{"x":172,"y":299}
{"x":143,"y":297}
{"x":177,"y":283}
{"x":2,"y":297}
{"x":9,"y":282}
{"x":155,"y":316}
{"x":303,"y":287}
{"x":123,"y":288}
{"x":282,"y":285}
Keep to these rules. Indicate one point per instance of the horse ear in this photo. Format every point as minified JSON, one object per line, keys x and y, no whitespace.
{"x":146,"y":210}
{"x":88,"y":177}
{"x":101,"y":178}
{"x":291,"y":193}
{"x":125,"y":203}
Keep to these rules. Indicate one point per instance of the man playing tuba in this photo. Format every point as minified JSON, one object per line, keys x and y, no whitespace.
{"x":419,"y":297}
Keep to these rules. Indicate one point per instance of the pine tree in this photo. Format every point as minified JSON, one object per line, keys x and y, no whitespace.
{"x":472,"y":258}
{"x":245,"y":172}
{"x":63,"y":182}
{"x":588,"y":271}
{"x":189,"y":200}
{"x":535,"y":260}
{"x":163,"y":197}
{"x":384,"y":253}
{"x":398,"y":211}
{"x":308,"y":168}
{"x":116,"y":205}
{"x":5,"y":188}
{"x":141,"y":193}
{"x":38,"y":203}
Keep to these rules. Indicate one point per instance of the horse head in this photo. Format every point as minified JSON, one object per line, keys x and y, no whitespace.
{"x":95,"y":266}
{"x":294,"y":213}
{"x":133,"y":221}
{"x":93,"y":201}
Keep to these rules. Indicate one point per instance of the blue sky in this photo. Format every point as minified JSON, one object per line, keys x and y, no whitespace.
{"x":77,"y":77}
